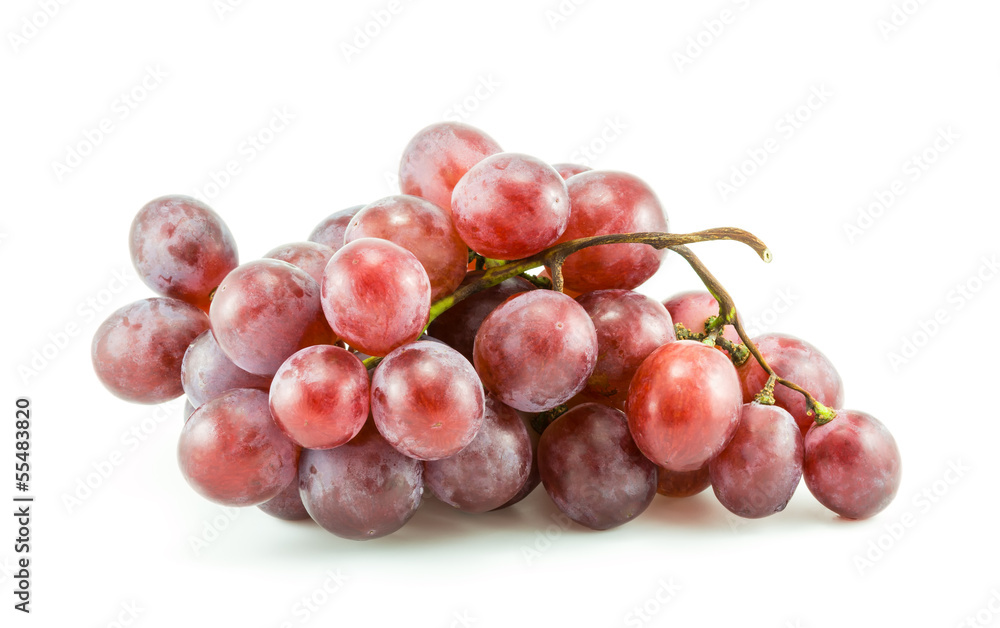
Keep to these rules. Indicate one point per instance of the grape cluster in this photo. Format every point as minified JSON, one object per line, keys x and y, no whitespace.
{"x":403,"y":348}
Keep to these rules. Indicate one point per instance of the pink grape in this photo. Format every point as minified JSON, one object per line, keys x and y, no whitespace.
{"x":265,"y":311}
{"x":376,"y":295}
{"x":568,"y":170}
{"x":319,"y":396}
{"x":181,"y":248}
{"x":693,"y":309}
{"x":684,"y":405}
{"x":309,"y":256}
{"x":422,"y":228}
{"x":330,"y":231}
{"x":138,"y":351}
{"x":510,"y":206}
{"x":207,"y":372}
{"x":232,"y":453}
{"x":611,"y":202}
{"x":438,"y":156}
{"x":427,"y":400}
{"x":536,"y":350}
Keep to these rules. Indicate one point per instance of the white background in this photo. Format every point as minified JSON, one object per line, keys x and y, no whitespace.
{"x":551,"y":78}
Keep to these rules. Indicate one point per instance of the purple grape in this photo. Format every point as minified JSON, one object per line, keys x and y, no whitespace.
{"x":287,"y":504}
{"x":682,"y":483}
{"x":330,"y":231}
{"x":207,"y":372}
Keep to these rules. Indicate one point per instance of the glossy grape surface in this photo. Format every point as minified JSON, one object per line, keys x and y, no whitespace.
{"x":684,"y":405}
{"x":206,"y":372}
{"x":438,"y":156}
{"x":376,"y":295}
{"x":422,"y":228}
{"x":510,"y":206}
{"x":427,"y":400}
{"x":693,"y":308}
{"x":319,"y":396}
{"x":330,"y":231}
{"x":759,"y":470}
{"x":611,"y":202}
{"x":311,"y":257}
{"x":232,"y":453}
{"x":265,"y":311}
{"x":181,"y":248}
{"x":362,"y":490}
{"x":536,"y":350}
{"x":852,"y":464}
{"x":137,"y":352}
{"x":592,"y":469}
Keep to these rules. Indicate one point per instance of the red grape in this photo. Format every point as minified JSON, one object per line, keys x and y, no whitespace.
{"x":852,"y":464}
{"x":438,"y":156}
{"x":330,"y":231}
{"x":207,"y":372}
{"x":682,"y":483}
{"x":422,"y":228}
{"x":798,"y":361}
{"x":287,"y":504}
{"x":319,"y":396}
{"x":181,"y":248}
{"x":376,"y":295}
{"x":488,"y":472}
{"x":533,"y":479}
{"x":568,"y":170}
{"x":592,"y":469}
{"x":232,"y":453}
{"x":536,"y":350}
{"x":692,"y":309}
{"x":309,"y":256}
{"x":758,"y":471}
{"x":684,"y":405}
{"x":138,"y":351}
{"x":510,"y":206}
{"x":427,"y":400}
{"x":361,"y":490}
{"x":265,"y":311}
{"x":611,"y":202}
{"x":629,"y":326}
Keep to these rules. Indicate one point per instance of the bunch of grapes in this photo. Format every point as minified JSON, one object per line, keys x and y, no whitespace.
{"x":406,"y":347}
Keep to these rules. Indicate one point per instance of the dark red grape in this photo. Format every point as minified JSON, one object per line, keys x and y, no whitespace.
{"x":797,"y":361}
{"x":536,"y":350}
{"x":422,"y":228}
{"x":852,"y":464}
{"x":758,"y":471}
{"x":692,"y":309}
{"x":427,"y":400}
{"x":207,"y":372}
{"x":287,"y":504}
{"x":568,"y":170}
{"x":319,"y":396}
{"x":611,"y":202}
{"x":683,"y":483}
{"x":361,"y":490}
{"x":510,"y":206}
{"x":181,"y":248}
{"x":232,"y":453}
{"x":311,"y":257}
{"x":488,"y":472}
{"x":376,"y":295}
{"x":138,"y":351}
{"x":265,"y":311}
{"x":438,"y":156}
{"x":592,"y":469}
{"x":684,"y":405}
{"x":629,"y":326}
{"x":330,"y":231}
{"x":457,"y":326}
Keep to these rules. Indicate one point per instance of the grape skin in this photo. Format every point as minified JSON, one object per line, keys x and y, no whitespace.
{"x":759,"y":470}
{"x":852,"y":464}
{"x":692,"y":309}
{"x":510,"y":206}
{"x":684,"y":405}
{"x":490,"y":470}
{"x":330,"y":231}
{"x":427,"y":401}
{"x":536,"y":350}
{"x":232,"y":453}
{"x":361,"y":490}
{"x":266,"y":310}
{"x":592,"y":469}
{"x":376,"y":295}
{"x":438,"y":156}
{"x":319,"y":396}
{"x":422,"y":228}
{"x":206,"y":372}
{"x":309,"y":256}
{"x":181,"y":248}
{"x":568,"y":170}
{"x":137,"y":352}
{"x":682,"y":483}
{"x":287,"y":504}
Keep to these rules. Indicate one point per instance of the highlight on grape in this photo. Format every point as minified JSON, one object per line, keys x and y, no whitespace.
{"x":478,"y":335}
